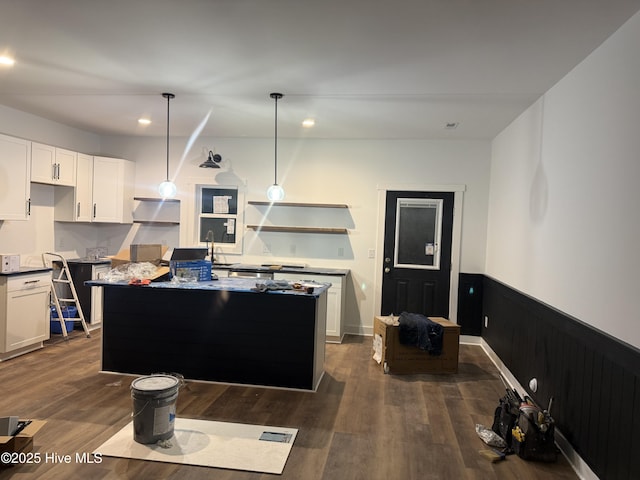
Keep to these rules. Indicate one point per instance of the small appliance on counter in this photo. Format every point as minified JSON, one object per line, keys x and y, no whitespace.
{"x":9,"y":262}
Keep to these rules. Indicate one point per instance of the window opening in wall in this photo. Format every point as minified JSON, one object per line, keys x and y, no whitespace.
{"x":219,"y":213}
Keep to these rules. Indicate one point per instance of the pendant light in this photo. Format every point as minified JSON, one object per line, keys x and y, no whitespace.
{"x":275,"y":192}
{"x":167,"y":189}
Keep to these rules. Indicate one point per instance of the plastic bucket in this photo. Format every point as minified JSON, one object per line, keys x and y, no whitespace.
{"x":154,"y":407}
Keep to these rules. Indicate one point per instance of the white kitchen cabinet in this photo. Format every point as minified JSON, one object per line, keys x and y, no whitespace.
{"x":55,"y":166}
{"x":76,"y":204}
{"x":83,"y":199}
{"x":112,"y":190}
{"x":24,"y":312}
{"x":103,"y":192}
{"x":15,"y":167}
{"x":335,"y":300}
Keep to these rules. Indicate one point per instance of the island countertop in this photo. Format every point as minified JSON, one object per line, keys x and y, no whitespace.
{"x":306,"y":270}
{"x":232,"y":284}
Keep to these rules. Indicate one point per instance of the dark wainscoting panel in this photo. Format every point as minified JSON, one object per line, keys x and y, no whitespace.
{"x":594,"y":379}
{"x":470,"y":286}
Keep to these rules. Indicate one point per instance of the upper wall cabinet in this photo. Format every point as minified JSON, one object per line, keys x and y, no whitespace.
{"x":15,"y":169}
{"x":55,"y":166}
{"x":113,"y":190}
{"x":103,"y":193}
{"x":76,"y":204}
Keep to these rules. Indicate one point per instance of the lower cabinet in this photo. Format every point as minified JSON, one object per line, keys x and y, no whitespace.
{"x":335,"y":300}
{"x":24,"y":312}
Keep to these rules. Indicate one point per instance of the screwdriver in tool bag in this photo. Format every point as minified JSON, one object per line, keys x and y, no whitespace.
{"x":491,"y":454}
{"x":517,"y":434}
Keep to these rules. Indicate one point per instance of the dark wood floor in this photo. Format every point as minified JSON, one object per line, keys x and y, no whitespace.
{"x":361,"y":424}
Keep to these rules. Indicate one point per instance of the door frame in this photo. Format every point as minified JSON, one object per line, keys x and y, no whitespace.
{"x":456,"y":240}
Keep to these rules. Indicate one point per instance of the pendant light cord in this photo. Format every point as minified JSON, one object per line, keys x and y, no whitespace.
{"x":276,"y":96}
{"x":168,"y":100}
{"x":168,"y":96}
{"x":275,"y":174}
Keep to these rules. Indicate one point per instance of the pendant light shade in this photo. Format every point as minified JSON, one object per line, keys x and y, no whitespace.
{"x":167,"y":189}
{"x":275,"y":192}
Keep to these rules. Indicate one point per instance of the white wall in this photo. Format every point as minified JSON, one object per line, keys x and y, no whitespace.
{"x":563,"y":211}
{"x":24,"y":125}
{"x":322,"y":171}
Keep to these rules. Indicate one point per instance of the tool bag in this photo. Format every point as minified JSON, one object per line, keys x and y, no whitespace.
{"x":527,"y":430}
{"x":506,"y":414}
{"x":533,"y":434}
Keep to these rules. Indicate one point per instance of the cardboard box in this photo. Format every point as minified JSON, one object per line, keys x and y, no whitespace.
{"x":124,"y":256}
{"x":9,"y":262}
{"x":404,"y":359}
{"x":22,"y":442}
{"x":146,"y":252}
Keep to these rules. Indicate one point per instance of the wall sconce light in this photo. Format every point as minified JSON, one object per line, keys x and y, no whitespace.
{"x":212,"y":161}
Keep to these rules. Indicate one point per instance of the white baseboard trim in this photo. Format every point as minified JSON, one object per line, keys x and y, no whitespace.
{"x":581,"y":468}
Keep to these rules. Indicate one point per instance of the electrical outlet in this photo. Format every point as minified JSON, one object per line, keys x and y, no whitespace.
{"x":486,"y":321}
{"x":340,"y":252}
{"x":372,"y":253}
{"x":266,"y":248}
{"x":292,"y":249}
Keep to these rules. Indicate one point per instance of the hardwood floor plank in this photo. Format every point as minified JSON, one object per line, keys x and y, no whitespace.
{"x":360,"y":424}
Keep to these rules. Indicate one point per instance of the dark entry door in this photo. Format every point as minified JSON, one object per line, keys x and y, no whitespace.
{"x":417,"y":253}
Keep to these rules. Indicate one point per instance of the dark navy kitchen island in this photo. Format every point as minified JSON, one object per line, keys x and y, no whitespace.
{"x":219,"y":331}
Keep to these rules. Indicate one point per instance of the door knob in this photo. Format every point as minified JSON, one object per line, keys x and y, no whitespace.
{"x":387,"y":269}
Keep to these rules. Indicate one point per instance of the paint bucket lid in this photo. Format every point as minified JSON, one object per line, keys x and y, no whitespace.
{"x":154,"y":383}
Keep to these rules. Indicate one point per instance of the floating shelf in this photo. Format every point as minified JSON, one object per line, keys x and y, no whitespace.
{"x":160,"y":200}
{"x":272,"y":228}
{"x":296,"y":204}
{"x":155,"y":222}
{"x":157,"y":211}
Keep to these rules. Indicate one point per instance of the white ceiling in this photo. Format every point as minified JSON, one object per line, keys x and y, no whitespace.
{"x":362,"y":68}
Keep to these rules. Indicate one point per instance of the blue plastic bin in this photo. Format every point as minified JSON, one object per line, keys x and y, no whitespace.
{"x":67,"y":312}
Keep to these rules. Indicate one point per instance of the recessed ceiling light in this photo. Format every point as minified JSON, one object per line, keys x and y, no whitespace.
{"x":308,"y":122}
{"x":144,"y":121}
{"x":451,"y":125}
{"x":8,"y":61}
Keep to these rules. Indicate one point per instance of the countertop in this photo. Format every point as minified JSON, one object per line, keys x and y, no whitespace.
{"x":90,"y":261}
{"x":243,"y":267}
{"x":238,"y":267}
{"x":231,"y":284}
{"x":27,"y":270}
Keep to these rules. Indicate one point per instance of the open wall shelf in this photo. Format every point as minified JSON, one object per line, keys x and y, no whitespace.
{"x":274,"y":228}
{"x":296,"y":204}
{"x":297,"y":229}
{"x":156,"y":211}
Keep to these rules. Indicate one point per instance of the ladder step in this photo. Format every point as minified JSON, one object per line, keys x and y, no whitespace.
{"x":65,"y":278}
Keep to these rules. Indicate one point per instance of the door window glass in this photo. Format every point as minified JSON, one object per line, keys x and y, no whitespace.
{"x":418,"y":229}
